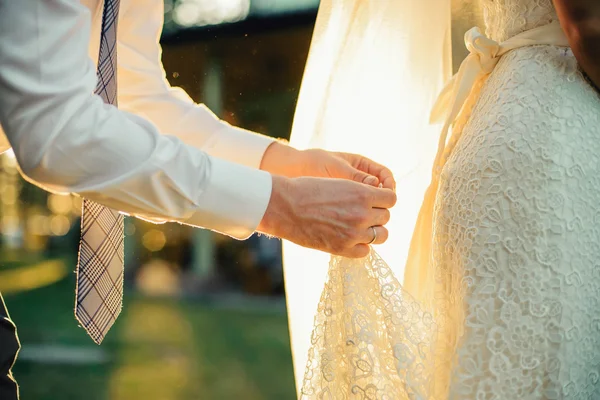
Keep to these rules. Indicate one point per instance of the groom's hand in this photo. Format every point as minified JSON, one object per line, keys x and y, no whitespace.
{"x":332,"y":215}
{"x":347,"y":166}
{"x":283,"y":160}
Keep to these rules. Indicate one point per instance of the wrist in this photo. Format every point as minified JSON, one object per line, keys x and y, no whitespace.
{"x":279,"y":210}
{"x":281,"y":159}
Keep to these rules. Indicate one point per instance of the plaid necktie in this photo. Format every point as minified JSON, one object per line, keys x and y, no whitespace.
{"x":99,"y":293}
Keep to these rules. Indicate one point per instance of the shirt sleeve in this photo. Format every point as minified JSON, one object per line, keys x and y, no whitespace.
{"x":144,"y":90}
{"x":66,"y":139}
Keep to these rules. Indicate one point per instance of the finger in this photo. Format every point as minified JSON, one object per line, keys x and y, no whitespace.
{"x":378,"y":216}
{"x":359,"y":251}
{"x":383,"y":198}
{"x":379,"y":233}
{"x":388,"y":182}
{"x":383,"y":174}
{"x":382,"y":234}
{"x":361,"y":176}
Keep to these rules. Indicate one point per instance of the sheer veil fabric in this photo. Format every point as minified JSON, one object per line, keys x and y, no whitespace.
{"x":374,"y":70}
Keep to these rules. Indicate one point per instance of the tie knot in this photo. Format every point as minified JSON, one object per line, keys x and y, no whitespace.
{"x":483,"y":49}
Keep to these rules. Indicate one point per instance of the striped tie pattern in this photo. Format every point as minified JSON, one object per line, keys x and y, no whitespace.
{"x":99,"y":292}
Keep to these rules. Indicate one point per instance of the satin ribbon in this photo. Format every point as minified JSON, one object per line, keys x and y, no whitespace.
{"x":484,"y":55}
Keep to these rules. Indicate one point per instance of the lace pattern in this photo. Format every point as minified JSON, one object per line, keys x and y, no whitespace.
{"x":517,"y":238}
{"x":371,"y":340}
{"x":507,"y":18}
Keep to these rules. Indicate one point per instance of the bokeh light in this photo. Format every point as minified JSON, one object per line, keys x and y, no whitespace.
{"x":209,"y":12}
{"x":60,"y":204}
{"x":59,"y":225}
{"x":154,"y":240}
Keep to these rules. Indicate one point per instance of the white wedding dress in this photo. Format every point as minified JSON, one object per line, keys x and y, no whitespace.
{"x":501,"y":298}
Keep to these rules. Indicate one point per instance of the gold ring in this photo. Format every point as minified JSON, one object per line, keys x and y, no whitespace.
{"x":374,"y":235}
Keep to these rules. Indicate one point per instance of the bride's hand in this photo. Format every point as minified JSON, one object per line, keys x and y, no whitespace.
{"x":283,"y":160}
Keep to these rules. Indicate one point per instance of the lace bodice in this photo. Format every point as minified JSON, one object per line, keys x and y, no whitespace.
{"x":507,"y":18}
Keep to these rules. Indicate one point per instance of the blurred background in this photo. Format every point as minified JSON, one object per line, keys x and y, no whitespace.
{"x":204,"y":316}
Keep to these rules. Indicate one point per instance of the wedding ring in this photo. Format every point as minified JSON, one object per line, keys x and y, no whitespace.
{"x":374,"y":235}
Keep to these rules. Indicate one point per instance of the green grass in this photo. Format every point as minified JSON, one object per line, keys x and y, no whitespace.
{"x":159,"y":350}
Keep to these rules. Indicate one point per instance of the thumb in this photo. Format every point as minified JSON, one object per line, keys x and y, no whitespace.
{"x":370,"y":180}
{"x":362,"y":177}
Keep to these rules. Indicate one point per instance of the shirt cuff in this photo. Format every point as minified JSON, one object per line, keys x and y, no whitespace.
{"x":235,"y":199}
{"x":238,"y":145}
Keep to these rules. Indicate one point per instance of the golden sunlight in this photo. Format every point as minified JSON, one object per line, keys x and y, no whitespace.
{"x":373,"y":73}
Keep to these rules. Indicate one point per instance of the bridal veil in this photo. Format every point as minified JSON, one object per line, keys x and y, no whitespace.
{"x":374,"y":71}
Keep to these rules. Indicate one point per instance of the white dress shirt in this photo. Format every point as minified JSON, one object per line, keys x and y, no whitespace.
{"x":160,"y":156}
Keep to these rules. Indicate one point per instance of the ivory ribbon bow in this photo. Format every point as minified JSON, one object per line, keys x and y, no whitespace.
{"x":483,"y":58}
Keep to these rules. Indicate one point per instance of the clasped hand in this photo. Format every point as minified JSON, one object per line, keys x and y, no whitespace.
{"x":335,"y":202}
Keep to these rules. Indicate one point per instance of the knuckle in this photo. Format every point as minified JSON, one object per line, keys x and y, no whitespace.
{"x":355,"y":235}
{"x":337,"y":252}
{"x":361,"y":217}
{"x":364,"y":197}
{"x":336,"y":248}
{"x":354,"y":216}
{"x":375,"y":197}
{"x":358,"y":176}
{"x":340,"y":246}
